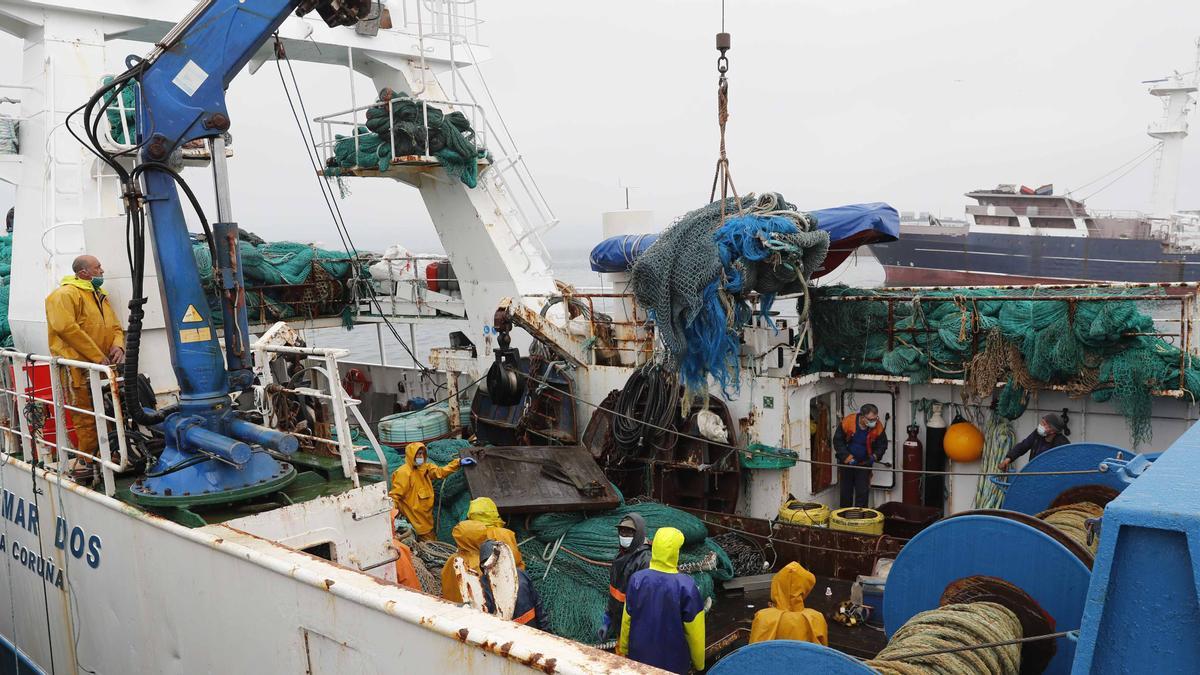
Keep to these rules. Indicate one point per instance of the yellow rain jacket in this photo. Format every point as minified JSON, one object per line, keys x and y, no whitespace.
{"x":80,"y":322}
{"x":81,"y":325}
{"x":483,"y":510}
{"x":664,"y":611}
{"x":469,"y":535}
{"x":788,"y":618}
{"x":412,"y":488}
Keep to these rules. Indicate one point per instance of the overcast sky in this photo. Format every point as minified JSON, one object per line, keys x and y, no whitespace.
{"x":912,"y":103}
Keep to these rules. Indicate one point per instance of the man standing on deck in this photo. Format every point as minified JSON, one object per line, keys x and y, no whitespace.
{"x":859,"y":442}
{"x":1051,"y":432}
{"x":663,"y":621}
{"x":82,"y":326}
{"x":633,"y":556}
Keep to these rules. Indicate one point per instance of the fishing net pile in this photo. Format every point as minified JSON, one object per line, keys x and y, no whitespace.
{"x":287,"y":279}
{"x":695,"y":280}
{"x":399,"y":125}
{"x":5,"y":279}
{"x":1104,"y":347}
{"x":567,"y":554}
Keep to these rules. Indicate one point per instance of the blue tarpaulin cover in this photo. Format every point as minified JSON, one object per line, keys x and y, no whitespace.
{"x":616,"y":254}
{"x":844,"y":222}
{"x":855,"y":224}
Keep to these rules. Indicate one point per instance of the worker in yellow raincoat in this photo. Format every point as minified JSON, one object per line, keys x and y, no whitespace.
{"x":787,"y":618}
{"x":412,"y":488}
{"x":483,"y":510}
{"x":469,"y":535}
{"x":81,"y":325}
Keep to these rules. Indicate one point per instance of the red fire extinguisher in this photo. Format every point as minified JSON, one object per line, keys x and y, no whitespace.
{"x":914,"y":458}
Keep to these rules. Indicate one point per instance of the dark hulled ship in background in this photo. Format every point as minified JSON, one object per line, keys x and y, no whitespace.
{"x":1013,"y":238}
{"x":1019,"y":235}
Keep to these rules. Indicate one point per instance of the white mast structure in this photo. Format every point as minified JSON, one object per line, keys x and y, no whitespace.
{"x":1176,"y":94}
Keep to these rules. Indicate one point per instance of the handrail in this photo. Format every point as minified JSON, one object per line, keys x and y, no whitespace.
{"x":336,"y":396}
{"x":17,"y":387}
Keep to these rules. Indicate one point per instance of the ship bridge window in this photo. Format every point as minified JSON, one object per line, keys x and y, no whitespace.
{"x":997,"y":221}
{"x":1052,"y":223}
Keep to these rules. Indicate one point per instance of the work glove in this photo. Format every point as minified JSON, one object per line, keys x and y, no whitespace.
{"x":468,"y":461}
{"x":604,"y":624}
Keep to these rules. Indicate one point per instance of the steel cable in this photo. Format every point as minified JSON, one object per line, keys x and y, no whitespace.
{"x":802,"y":460}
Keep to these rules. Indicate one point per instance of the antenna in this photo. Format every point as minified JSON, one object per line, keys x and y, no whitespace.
{"x":626,"y":188}
{"x":1177,"y":94}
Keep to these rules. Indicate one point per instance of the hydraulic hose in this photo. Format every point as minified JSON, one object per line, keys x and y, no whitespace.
{"x":646,"y":405}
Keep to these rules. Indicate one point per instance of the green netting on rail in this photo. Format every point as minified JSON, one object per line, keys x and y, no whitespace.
{"x":566,"y":554}
{"x":5,"y":276}
{"x":287,"y":279}
{"x":1093,"y":343}
{"x":411,"y":128}
{"x":126,"y":105}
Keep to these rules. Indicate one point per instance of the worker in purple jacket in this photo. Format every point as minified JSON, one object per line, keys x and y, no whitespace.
{"x":663,"y":621}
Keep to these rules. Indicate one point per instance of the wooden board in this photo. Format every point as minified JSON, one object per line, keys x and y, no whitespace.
{"x":521,"y":487}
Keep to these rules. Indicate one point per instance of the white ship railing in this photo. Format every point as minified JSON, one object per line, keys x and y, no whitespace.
{"x":23,"y":406}
{"x":355,"y":117}
{"x":330,"y":391}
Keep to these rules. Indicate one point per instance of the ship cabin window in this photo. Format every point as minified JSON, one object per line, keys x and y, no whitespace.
{"x":997,"y":221}
{"x":1052,"y":223}
{"x":324,"y":550}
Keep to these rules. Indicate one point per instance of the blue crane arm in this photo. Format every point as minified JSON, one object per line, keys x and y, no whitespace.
{"x":207,"y":457}
{"x":183,"y":99}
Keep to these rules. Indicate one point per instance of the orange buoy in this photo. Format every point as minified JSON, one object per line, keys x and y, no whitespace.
{"x":963,"y":442}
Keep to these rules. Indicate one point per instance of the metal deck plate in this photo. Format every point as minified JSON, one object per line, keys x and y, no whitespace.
{"x":514,"y":478}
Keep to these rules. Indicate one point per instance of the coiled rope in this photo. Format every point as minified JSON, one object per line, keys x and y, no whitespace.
{"x":998,"y":439}
{"x":932,"y":642}
{"x":1071,"y":520}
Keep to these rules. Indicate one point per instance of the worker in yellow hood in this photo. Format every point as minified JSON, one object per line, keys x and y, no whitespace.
{"x":663,"y":621}
{"x":412,"y":488}
{"x":788,"y":618}
{"x":483,"y":510}
{"x":81,"y":325}
{"x":469,"y":535}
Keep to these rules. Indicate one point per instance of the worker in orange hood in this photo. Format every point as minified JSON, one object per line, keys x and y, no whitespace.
{"x":412,"y":488}
{"x":788,"y":618}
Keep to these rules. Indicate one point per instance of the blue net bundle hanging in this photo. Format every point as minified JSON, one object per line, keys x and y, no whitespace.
{"x":696,"y":279}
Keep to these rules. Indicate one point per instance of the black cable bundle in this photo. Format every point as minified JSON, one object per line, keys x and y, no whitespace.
{"x":647,"y":406}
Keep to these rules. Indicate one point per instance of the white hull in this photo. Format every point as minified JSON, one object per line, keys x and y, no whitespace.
{"x":162,"y":598}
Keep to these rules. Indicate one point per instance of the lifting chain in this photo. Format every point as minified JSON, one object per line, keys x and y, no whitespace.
{"x":722,"y":175}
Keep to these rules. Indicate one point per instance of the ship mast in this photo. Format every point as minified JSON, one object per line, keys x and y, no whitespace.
{"x":1176,"y":94}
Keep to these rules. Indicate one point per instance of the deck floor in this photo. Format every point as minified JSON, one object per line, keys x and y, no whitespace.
{"x":734,"y":610}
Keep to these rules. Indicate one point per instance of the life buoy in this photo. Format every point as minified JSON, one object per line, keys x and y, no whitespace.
{"x":356,"y":382}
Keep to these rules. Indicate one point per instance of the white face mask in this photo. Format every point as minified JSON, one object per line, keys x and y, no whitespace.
{"x":1042,"y":431}
{"x":419,"y":461}
{"x":871,"y":423}
{"x":626,"y":542}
